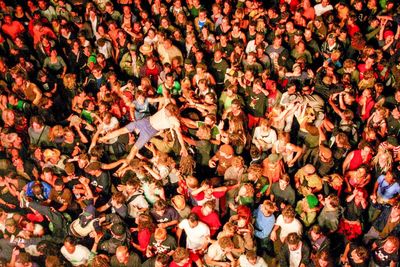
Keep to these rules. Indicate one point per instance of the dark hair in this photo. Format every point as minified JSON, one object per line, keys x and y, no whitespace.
{"x":70,"y":239}
{"x":193,"y":217}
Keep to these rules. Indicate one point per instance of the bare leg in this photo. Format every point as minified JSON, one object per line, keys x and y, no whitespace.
{"x":129,"y":158}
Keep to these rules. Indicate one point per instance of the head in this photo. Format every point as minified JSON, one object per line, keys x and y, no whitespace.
{"x":70,"y":244}
{"x":193,"y":220}
{"x":293,"y":241}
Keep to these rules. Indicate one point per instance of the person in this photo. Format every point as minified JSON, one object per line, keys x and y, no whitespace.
{"x":75,"y":253}
{"x":122,"y":257}
{"x":165,"y":118}
{"x":264,"y":223}
{"x":295,"y":252}
{"x":197,"y":235}
{"x":354,"y":255}
{"x":220,"y":253}
{"x":250,"y":259}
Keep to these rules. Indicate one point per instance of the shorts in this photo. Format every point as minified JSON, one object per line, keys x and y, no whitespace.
{"x":146,"y":131}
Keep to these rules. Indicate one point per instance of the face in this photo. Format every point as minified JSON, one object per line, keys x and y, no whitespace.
{"x":323,"y":263}
{"x":193,"y":224}
{"x":69,"y":247}
{"x":287,"y":219}
{"x":283,"y":184}
{"x":294,"y":247}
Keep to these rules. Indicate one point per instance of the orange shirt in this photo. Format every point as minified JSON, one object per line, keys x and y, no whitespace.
{"x":13,"y":29}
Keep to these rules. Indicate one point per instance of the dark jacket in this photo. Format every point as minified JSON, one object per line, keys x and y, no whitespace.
{"x":381,"y":221}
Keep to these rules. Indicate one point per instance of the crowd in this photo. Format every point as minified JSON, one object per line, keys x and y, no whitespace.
{"x":199,"y":133}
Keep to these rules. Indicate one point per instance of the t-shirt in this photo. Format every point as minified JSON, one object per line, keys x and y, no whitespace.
{"x":244,"y":262}
{"x":212,"y":220}
{"x":287,"y":228}
{"x":169,"y":215}
{"x":215,"y":252}
{"x":102,"y":183}
{"x":386,"y":190}
{"x":382,"y":258}
{"x":295,"y":257}
{"x":79,"y":257}
{"x":197,"y":236}
{"x":160,"y":121}
{"x":164,"y":247}
{"x":62,"y":197}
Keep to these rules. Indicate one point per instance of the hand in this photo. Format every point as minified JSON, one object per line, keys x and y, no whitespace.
{"x":183,"y":152}
{"x":103,"y":139}
{"x":11,"y":206}
{"x":273,"y":236}
{"x":15,"y":252}
{"x":373,"y":198}
{"x":212,"y":164}
{"x":343,"y":259}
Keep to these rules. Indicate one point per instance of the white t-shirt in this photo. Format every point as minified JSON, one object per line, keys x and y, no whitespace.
{"x":295,"y":257}
{"x":160,"y":121}
{"x":287,"y":228}
{"x":243,"y":262}
{"x":197,"y":236}
{"x":320,"y":10}
{"x":137,"y":201}
{"x":109,"y":127}
{"x":269,"y":137}
{"x":215,"y":252}
{"x":79,"y":257}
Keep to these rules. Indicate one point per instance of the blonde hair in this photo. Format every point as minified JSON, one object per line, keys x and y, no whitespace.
{"x":69,"y":81}
{"x":388,"y":163}
{"x":55,"y":131}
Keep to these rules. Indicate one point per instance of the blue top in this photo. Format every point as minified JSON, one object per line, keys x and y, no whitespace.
{"x":387,"y":191}
{"x":46,"y":189}
{"x":263,"y":225}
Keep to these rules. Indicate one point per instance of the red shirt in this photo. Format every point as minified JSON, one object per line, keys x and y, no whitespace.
{"x":369,"y":106}
{"x":201,"y":196}
{"x":352,"y":29}
{"x":212,"y":220}
{"x":144,"y":239}
{"x":13,"y":29}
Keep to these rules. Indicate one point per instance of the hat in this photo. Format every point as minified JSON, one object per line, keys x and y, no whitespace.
{"x":188,"y":62}
{"x":227,"y":149}
{"x":386,"y":34}
{"x":309,"y":169}
{"x":146,"y":49}
{"x":118,"y":229}
{"x":51,"y":153}
{"x":392,"y":141}
{"x":312,"y":201}
{"x":90,"y":210}
{"x":10,"y":222}
{"x":178,"y":202}
{"x":273,"y":158}
{"x":319,"y":18}
{"x":92,"y":59}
